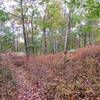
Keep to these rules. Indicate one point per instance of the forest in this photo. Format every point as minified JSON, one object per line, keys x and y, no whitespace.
{"x":49,"y":50}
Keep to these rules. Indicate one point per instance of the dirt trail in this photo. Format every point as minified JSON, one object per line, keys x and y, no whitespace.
{"x":25,"y":87}
{"x":26,"y":91}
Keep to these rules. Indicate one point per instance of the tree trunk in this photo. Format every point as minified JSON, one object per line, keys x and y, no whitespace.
{"x":68,"y":30}
{"x":44,"y":45}
{"x":54,"y":46}
{"x":85,"y":39}
{"x":78,"y":41}
{"x":90,"y":38}
{"x":23,"y":26}
{"x":32,"y":30}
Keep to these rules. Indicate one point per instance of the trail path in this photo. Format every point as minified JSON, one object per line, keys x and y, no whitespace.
{"x":26,"y":91}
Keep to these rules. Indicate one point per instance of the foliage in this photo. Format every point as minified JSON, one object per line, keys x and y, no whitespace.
{"x":3,"y":16}
{"x":7,"y":84}
{"x":77,"y":78}
{"x":53,"y":19}
{"x":7,"y":38}
{"x":93,"y":9}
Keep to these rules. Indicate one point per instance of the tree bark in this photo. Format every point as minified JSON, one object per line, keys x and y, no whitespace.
{"x":44,"y":46}
{"x":54,"y":46}
{"x":85,"y":39}
{"x":78,"y":41}
{"x":23,"y":26}
{"x":68,"y":30}
{"x":32,"y":30}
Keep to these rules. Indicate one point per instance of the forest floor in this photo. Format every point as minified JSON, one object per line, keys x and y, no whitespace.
{"x":75,"y":76}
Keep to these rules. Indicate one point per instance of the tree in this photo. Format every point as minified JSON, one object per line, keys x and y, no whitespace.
{"x":21,"y":10}
{"x":7,"y":39}
{"x":71,"y":8}
{"x":23,"y":26}
{"x":51,"y":22}
{"x":3,"y":18}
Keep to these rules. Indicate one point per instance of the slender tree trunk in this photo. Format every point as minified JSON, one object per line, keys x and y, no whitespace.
{"x":17,"y":44}
{"x":1,"y":46}
{"x":44,"y":46}
{"x":78,"y":41}
{"x":33,"y":45}
{"x":90,"y":39}
{"x":68,"y":30}
{"x":23,"y":26}
{"x":32,"y":30}
{"x":54,"y":46}
{"x":85,"y":39}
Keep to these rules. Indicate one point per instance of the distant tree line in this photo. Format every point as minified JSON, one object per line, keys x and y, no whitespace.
{"x":50,"y":26}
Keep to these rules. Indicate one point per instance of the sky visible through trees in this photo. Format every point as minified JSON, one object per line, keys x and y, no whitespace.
{"x":48,"y":26}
